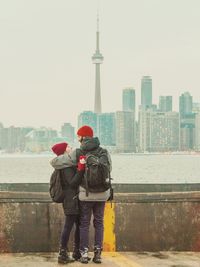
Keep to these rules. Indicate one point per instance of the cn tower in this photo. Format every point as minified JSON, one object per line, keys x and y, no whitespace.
{"x":97,"y":59}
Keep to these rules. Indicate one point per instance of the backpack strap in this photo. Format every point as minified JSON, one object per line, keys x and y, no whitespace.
{"x":86,"y":185}
{"x":61,"y":177}
{"x":79,"y":153}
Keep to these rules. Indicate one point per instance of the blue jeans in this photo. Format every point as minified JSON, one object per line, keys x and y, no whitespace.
{"x":88,"y":208}
{"x":70,"y":220}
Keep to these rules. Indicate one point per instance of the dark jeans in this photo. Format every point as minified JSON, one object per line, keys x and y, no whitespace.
{"x":87,"y":208}
{"x":70,"y":220}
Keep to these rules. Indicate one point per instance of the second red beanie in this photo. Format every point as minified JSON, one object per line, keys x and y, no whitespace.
{"x":59,"y":148}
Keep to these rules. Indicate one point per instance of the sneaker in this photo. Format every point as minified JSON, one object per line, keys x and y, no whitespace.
{"x":84,"y":256}
{"x":63,"y":256}
{"x":76,"y":254}
{"x":97,"y":255}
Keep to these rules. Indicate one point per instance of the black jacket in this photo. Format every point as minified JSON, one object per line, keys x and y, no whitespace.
{"x":71,"y":179}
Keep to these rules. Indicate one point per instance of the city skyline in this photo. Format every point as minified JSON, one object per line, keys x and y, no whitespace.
{"x":47,"y":77}
{"x":158,"y":129}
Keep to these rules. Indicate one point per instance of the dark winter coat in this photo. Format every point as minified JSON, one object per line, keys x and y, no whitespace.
{"x":71,"y":179}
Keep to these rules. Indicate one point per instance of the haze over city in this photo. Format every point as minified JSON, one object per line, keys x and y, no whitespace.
{"x":47,"y":76}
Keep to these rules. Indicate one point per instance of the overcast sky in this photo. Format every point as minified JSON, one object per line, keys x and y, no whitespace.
{"x":46,"y":72}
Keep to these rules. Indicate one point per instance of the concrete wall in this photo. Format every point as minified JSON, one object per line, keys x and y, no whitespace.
{"x":30,"y":222}
{"x":119,"y":188}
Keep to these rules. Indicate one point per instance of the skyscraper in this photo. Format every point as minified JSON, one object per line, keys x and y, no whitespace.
{"x":158,"y":131}
{"x":144,"y":129}
{"x":185,"y":104}
{"x":97,"y":60}
{"x":165,"y":103}
{"x":125,"y":131}
{"x":107,"y":129}
{"x":128,"y":101}
{"x":196,"y":107}
{"x":187,"y":132}
{"x":197,"y":132}
{"x":146,"y":92}
{"x":164,"y":134}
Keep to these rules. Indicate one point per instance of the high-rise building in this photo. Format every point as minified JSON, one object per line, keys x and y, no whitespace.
{"x":125,"y":131}
{"x":107,"y":129}
{"x":128,"y":99}
{"x":67,"y":130}
{"x":146,"y":92}
{"x":3,"y":137}
{"x":97,"y":60}
{"x":185,"y":104}
{"x":187,"y":132}
{"x":196,"y":108}
{"x":197,"y":132}
{"x":165,"y":131}
{"x":88,"y":118}
{"x":165,"y":103}
{"x":144,"y":129}
{"x":187,"y":122}
{"x":158,"y":131}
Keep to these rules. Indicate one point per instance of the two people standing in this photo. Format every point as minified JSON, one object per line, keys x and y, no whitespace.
{"x":90,"y":190}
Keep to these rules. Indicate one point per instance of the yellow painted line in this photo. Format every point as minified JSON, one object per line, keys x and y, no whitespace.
{"x":109,"y":228}
{"x":120,"y":260}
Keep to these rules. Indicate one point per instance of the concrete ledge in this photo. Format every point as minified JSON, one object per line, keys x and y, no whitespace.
{"x":31,"y":197}
{"x":119,"y":188}
{"x":30,"y":222}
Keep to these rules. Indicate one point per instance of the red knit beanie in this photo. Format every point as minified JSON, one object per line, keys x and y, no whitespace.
{"x":85,"y":131}
{"x":59,"y":148}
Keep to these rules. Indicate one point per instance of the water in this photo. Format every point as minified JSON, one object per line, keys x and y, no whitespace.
{"x":126,"y":168}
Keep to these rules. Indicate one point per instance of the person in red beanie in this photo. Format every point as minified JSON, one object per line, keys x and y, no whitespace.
{"x":92,"y":203}
{"x":71,"y":179}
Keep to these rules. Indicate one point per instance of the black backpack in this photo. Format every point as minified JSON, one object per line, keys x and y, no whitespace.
{"x":56,"y":187}
{"x":97,"y":171}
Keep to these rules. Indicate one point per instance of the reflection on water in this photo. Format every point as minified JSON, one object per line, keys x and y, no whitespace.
{"x":126,"y":168}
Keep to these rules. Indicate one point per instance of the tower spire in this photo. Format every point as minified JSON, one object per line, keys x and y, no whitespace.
{"x":97,"y":60}
{"x":97,"y":33}
{"x":97,"y":20}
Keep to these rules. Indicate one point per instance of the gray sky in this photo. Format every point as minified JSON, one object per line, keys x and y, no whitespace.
{"x":46,"y":72}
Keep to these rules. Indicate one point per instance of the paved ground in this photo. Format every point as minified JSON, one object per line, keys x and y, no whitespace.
{"x":115,"y":259}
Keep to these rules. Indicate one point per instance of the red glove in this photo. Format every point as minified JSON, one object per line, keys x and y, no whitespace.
{"x":81,"y":163}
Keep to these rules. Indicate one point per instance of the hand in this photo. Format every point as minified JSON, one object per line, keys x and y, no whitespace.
{"x":81,"y":163}
{"x":82,"y":159}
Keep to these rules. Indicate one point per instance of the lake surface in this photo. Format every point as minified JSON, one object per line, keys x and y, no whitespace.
{"x":126,"y":168}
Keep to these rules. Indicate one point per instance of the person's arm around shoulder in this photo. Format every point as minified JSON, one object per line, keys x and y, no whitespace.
{"x":76,"y":180}
{"x":65,"y":160}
